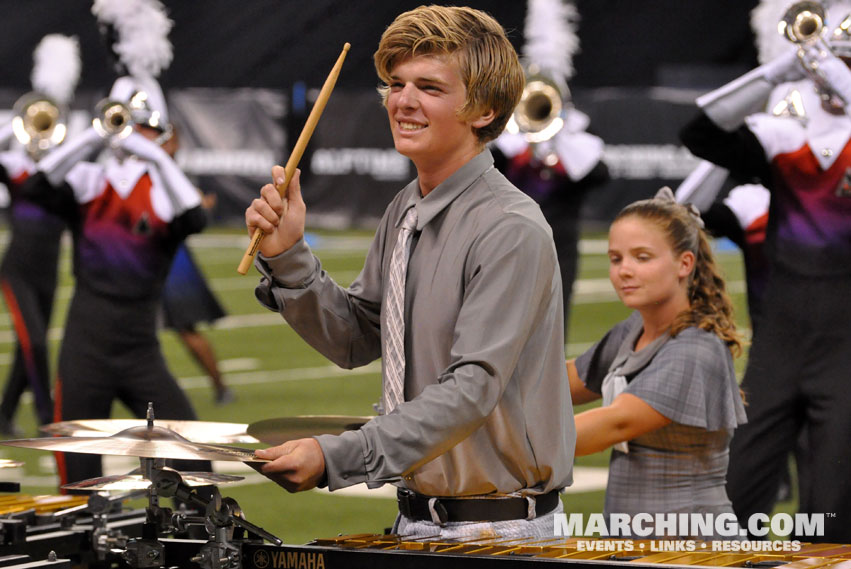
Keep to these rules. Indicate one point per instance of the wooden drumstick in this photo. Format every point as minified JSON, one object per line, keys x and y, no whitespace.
{"x":298,"y":150}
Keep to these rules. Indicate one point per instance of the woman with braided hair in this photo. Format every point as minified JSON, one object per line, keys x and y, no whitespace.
{"x":666,"y":376}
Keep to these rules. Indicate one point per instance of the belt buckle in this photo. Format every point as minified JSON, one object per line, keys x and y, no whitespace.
{"x":403,"y":499}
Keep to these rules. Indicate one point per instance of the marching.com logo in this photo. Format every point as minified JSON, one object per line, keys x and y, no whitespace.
{"x":695,"y":525}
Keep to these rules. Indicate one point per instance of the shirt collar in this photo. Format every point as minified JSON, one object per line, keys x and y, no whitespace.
{"x":445,"y":193}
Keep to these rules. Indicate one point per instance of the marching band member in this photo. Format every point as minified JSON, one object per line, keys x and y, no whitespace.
{"x":477,"y":431}
{"x":127,"y":215}
{"x":666,"y":376}
{"x":797,"y":367}
{"x":552,"y":159}
{"x":741,"y":214}
{"x":28,"y":271}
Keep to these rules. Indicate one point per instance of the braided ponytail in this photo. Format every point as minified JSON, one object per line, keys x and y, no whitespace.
{"x":711,"y":308}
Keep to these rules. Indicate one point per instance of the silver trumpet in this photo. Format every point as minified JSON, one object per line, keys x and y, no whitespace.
{"x":112,"y":119}
{"x":39,"y":123}
{"x":803,"y":24}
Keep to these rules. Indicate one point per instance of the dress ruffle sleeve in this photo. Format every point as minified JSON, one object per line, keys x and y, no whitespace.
{"x":692,"y":381}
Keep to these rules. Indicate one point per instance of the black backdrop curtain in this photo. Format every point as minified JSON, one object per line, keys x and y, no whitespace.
{"x":243,"y":73}
{"x":274,"y":43}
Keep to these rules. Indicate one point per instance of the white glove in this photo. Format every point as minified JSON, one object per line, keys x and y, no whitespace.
{"x":140,"y":146}
{"x":728,"y":106}
{"x":181,"y":191}
{"x":59,"y":161}
{"x":784,"y":68}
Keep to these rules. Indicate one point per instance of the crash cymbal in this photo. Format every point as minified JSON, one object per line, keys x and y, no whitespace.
{"x":143,"y":442}
{"x":278,"y":431}
{"x":195,"y":431}
{"x":133,"y":481}
{"x":9,"y":463}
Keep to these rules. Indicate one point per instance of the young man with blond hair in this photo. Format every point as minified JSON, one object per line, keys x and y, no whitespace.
{"x":477,"y":430}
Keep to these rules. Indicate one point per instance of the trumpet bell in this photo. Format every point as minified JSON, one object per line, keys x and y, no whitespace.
{"x":39,"y":123}
{"x":802,"y":22}
{"x":538,"y":115}
{"x":112,"y":119}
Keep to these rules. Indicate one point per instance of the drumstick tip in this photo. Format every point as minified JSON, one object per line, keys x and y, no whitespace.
{"x":347,"y":46}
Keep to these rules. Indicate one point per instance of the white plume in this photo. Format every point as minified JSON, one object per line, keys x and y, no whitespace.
{"x":551,"y":39}
{"x":142,"y":28}
{"x":56,"y":67}
{"x":764,"y":20}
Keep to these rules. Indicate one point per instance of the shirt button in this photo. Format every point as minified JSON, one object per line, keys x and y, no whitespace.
{"x":826,"y":152}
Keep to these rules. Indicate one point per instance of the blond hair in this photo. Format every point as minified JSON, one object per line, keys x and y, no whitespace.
{"x":710,"y":307}
{"x":488,"y":63}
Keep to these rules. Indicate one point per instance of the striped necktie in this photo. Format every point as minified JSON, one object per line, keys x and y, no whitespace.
{"x":394,"y":349}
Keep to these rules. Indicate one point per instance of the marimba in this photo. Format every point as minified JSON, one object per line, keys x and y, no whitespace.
{"x":372,"y":551}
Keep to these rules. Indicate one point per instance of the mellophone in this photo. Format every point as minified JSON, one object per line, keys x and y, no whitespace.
{"x":210,"y":532}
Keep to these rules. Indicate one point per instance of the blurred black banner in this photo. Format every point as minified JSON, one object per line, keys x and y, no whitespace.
{"x":231,"y":138}
{"x":240,"y":82}
{"x":275,"y":43}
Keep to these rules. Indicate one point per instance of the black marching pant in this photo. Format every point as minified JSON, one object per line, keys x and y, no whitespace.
{"x":798,"y":377}
{"x":111,"y":352}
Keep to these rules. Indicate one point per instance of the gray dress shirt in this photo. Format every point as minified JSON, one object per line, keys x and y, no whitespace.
{"x":487,"y":405}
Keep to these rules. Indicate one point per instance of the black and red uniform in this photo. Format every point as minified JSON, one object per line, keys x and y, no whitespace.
{"x":126,"y":224}
{"x":797,"y":373}
{"x":28,"y":276}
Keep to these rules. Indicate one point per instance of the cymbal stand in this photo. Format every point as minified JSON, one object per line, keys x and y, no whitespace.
{"x":222,"y":517}
{"x":220,"y":552}
{"x":148,"y":551}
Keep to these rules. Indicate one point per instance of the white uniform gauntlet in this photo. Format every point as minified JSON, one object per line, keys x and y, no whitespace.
{"x":728,"y":106}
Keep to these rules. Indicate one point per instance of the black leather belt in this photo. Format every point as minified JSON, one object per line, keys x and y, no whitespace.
{"x":416,"y":507}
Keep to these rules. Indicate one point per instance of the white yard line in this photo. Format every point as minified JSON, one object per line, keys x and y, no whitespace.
{"x":585,"y":291}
